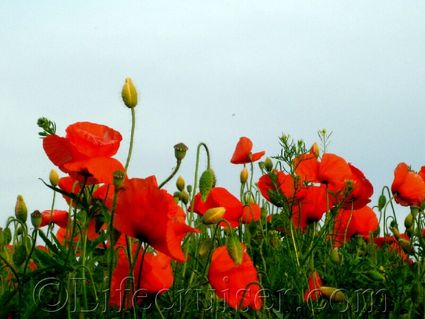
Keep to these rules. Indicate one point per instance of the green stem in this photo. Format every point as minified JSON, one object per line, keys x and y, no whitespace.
{"x":174,"y":172}
{"x":130,"y":149}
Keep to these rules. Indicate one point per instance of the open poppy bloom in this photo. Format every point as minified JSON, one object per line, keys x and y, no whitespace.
{"x":278,"y":187}
{"x":243,"y":152}
{"x":331,"y":170}
{"x":150,"y":214}
{"x":234,"y":283}
{"x":360,"y":190}
{"x":408,"y":187}
{"x":313,"y":292}
{"x":154,"y":275}
{"x":360,"y":222}
{"x":310,"y":207}
{"x":57,"y":216}
{"x":393,"y":244}
{"x":85,"y":152}
{"x":251,"y":212}
{"x":220,"y":197}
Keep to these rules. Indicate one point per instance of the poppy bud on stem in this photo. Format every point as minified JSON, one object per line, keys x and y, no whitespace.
{"x":213,"y":215}
{"x":21,"y":211}
{"x":36,"y":219}
{"x":54,"y":177}
{"x":129,"y":93}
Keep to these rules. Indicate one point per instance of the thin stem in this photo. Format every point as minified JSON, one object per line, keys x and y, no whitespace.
{"x":174,"y":172}
{"x":130,"y":149}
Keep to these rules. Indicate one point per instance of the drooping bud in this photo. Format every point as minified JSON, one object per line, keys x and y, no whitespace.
{"x":213,"y":215}
{"x":235,"y":249}
{"x":129,"y":93}
{"x":19,"y":255}
{"x":315,"y":150}
{"x":244,"y":175}
{"x":36,"y":218}
{"x":206,"y":182}
{"x":333,"y":293}
{"x":335,"y":256}
{"x":176,"y":197}
{"x":180,"y":150}
{"x":118,"y":178}
{"x":54,"y":177}
{"x":21,"y":211}
{"x":204,"y":247}
{"x":184,"y":197}
{"x":7,"y":236}
{"x":382,"y":201}
{"x":180,"y":183}
{"x":408,"y":221}
{"x":268,"y":164}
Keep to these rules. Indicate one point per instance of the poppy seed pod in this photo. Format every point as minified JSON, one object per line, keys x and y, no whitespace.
{"x":180,"y":150}
{"x":118,"y":178}
{"x":21,"y":211}
{"x":129,"y":93}
{"x":213,"y":215}
{"x":54,"y":178}
{"x":36,"y":218}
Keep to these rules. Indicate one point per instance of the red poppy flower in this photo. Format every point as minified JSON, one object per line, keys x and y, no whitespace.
{"x":150,"y":214}
{"x":85,"y":152}
{"x":310,"y":207}
{"x":243,"y":152}
{"x":408,"y":187}
{"x":422,"y":172}
{"x":313,"y":292}
{"x":156,"y":277}
{"x":220,"y":197}
{"x":277,"y":185}
{"x":58,"y":217}
{"x":332,"y":170}
{"x":393,"y":244}
{"x":348,"y":223}
{"x":250,"y":213}
{"x":236,"y":284}
{"x":361,"y":191}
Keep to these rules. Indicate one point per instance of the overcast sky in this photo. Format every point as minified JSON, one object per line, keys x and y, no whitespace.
{"x":212,"y":71}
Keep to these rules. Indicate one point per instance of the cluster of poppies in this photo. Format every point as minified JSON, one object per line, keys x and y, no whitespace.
{"x":143,"y":211}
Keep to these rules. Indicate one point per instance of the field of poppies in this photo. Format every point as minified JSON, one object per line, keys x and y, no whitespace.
{"x":302,"y":240}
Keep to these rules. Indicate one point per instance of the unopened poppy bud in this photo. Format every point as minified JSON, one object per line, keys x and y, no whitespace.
{"x":129,"y":93}
{"x":206,"y":182}
{"x":408,"y":221}
{"x":180,"y":151}
{"x":19,"y":255}
{"x":244,"y":175}
{"x":204,"y":247}
{"x":261,"y":165}
{"x":180,"y":183}
{"x":7,"y":236}
{"x":235,"y":249}
{"x":213,"y":215}
{"x":395,"y":232}
{"x":21,"y":211}
{"x":410,"y":231}
{"x":376,"y":275}
{"x":189,"y":189}
{"x":333,"y":293}
{"x":184,"y":197}
{"x":335,"y":256}
{"x":54,"y":177}
{"x":176,"y":197}
{"x":315,"y":150}
{"x":414,"y":211}
{"x":406,"y":246}
{"x":381,"y":202}
{"x":36,"y":218}
{"x":118,"y":178}
{"x":268,"y":164}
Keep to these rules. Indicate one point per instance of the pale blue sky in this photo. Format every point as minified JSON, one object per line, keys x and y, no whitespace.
{"x":356,"y":68}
